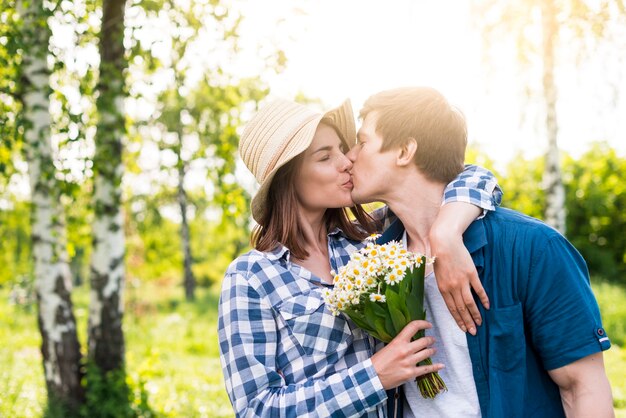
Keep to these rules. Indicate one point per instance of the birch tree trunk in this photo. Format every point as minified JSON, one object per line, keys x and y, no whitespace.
{"x":189,"y":279}
{"x":105,"y":335}
{"x":555,"y":193}
{"x":60,"y":347}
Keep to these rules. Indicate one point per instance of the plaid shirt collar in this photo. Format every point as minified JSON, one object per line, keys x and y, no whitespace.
{"x":282,"y":252}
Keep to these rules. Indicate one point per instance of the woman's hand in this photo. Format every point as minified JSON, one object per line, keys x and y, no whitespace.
{"x":454,"y":269}
{"x":397,"y":361}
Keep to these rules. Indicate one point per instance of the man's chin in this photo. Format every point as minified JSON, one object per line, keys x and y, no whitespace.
{"x":359,"y":199}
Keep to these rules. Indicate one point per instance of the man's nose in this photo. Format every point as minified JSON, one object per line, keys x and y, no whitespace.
{"x":351,"y":155}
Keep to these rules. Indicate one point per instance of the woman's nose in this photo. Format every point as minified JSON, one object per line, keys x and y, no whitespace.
{"x":344,"y":163}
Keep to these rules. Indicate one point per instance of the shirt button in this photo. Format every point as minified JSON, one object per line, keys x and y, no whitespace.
{"x":600,"y":331}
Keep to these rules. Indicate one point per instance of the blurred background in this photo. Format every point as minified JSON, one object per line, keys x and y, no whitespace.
{"x":123,"y":200}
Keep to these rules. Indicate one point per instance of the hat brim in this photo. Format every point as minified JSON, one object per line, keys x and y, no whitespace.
{"x":343,"y":119}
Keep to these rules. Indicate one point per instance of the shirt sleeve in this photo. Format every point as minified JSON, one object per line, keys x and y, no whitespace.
{"x":561,"y":312}
{"x":475,"y":185}
{"x":248,"y":338}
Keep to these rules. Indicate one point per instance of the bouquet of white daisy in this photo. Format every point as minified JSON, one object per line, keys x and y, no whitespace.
{"x":382,"y":289}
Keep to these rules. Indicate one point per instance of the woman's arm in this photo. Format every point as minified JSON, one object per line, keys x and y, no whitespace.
{"x":454,"y":268}
{"x":248,"y":339}
{"x":249,"y":342}
{"x":468,"y":197}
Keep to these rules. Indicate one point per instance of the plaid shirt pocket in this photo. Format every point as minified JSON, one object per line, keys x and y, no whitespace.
{"x":316,"y":331}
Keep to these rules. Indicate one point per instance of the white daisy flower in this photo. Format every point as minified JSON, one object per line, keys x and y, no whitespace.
{"x":377,"y":297}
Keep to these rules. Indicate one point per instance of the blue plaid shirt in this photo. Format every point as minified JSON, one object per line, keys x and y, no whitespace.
{"x":283,"y":353}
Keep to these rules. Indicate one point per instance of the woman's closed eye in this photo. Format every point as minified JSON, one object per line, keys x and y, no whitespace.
{"x":325,"y":156}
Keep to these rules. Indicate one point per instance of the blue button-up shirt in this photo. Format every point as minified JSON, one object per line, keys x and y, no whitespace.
{"x":543,"y":314}
{"x":283,"y":352}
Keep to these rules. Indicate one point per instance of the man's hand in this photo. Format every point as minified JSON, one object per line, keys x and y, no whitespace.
{"x":397,"y":361}
{"x":454,"y":269}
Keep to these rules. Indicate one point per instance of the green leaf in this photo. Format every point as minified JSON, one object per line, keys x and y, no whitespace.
{"x":389,"y":326}
{"x":379,"y":320}
{"x":398,"y":319}
{"x":385,"y":333}
{"x":415,"y":307}
{"x":359,"y":319}
{"x":417,"y":277}
{"x":376,"y":309}
{"x":404,"y":286}
{"x":397,"y":302}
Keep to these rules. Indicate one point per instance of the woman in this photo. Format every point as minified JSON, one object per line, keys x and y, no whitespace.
{"x":283,"y":353}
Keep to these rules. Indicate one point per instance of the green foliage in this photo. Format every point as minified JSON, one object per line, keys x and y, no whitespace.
{"x":215,"y":245}
{"x":595,"y":200}
{"x":522,"y":186}
{"x":111,"y":396}
{"x":195,"y":124}
{"x":15,"y":253}
{"x":78,"y":219}
{"x":521,"y":181}
{"x":596,"y":205}
{"x":11,"y":133}
{"x":154,"y":243}
{"x":106,"y":396}
{"x":22,"y":384}
{"x":611,"y":299}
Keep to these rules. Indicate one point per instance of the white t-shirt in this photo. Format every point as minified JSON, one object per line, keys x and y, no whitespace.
{"x":461,"y":399}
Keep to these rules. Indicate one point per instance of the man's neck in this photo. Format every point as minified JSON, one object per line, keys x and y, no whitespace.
{"x":416,"y":202}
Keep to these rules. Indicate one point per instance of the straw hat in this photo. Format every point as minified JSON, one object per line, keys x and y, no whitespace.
{"x":280,"y":131}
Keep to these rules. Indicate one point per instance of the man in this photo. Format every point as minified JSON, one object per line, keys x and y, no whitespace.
{"x":539,"y":350}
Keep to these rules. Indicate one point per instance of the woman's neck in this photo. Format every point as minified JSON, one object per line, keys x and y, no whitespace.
{"x":315,"y":237}
{"x":314,"y":231}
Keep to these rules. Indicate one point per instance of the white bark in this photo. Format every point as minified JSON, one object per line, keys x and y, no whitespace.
{"x":107,"y":261}
{"x":108,"y":249}
{"x":47,"y":265}
{"x":555,"y":193}
{"x":106,"y":337}
{"x":60,"y":349}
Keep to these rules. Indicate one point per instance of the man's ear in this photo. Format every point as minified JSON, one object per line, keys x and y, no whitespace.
{"x":407,"y":152}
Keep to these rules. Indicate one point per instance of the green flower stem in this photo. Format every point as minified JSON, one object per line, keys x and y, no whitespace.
{"x":431,"y":384}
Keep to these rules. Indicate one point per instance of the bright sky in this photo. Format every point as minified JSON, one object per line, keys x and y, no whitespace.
{"x":353,"y":48}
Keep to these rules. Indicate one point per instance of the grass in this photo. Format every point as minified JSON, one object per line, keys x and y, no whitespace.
{"x":172,"y":353}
